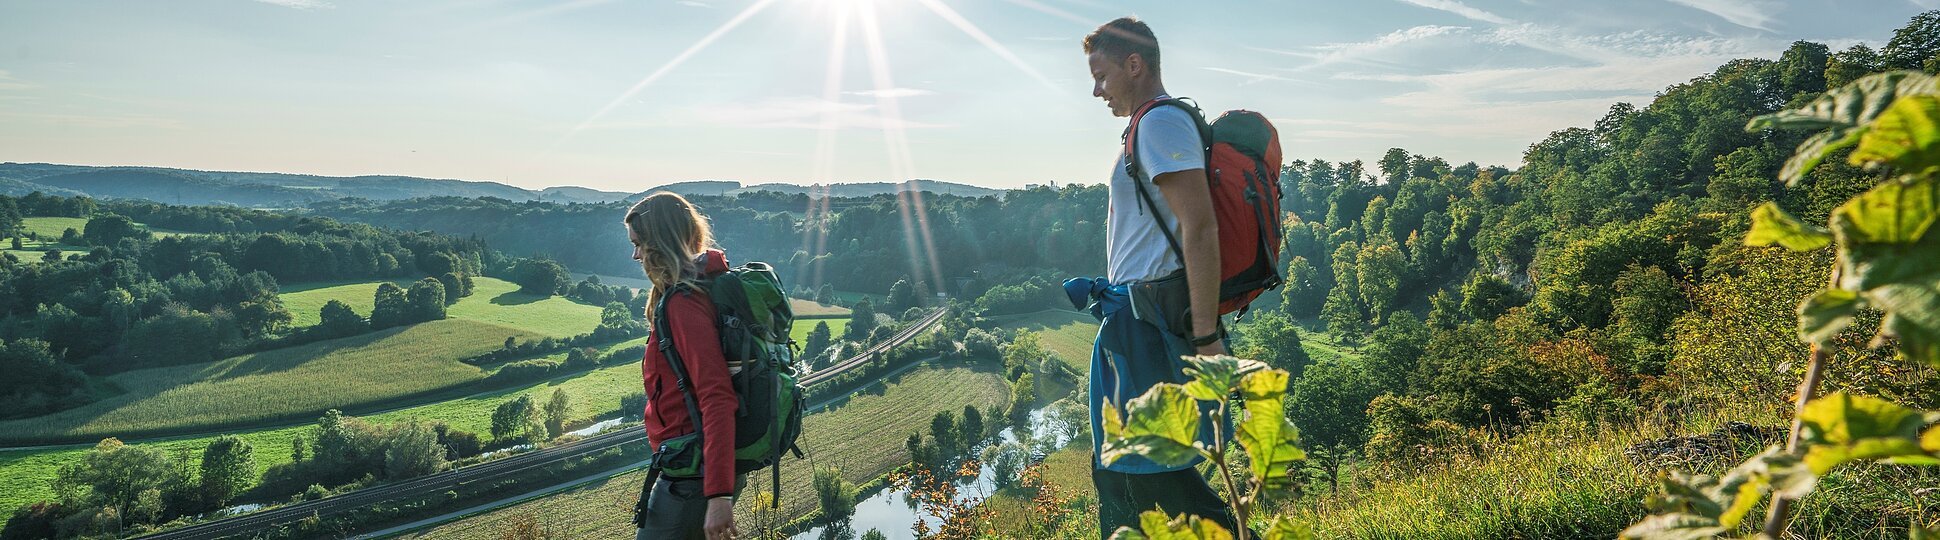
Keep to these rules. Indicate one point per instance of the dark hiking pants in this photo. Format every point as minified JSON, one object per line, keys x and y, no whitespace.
{"x":1121,"y":497}
{"x":677,"y":509}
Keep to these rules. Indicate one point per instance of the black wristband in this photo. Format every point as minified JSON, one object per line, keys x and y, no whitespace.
{"x":1208,"y":339}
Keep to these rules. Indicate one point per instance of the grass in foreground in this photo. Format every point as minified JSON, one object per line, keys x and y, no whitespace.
{"x":864,"y":437}
{"x":25,"y":475}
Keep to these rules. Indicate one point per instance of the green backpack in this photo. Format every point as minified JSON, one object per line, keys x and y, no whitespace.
{"x":754,"y":320}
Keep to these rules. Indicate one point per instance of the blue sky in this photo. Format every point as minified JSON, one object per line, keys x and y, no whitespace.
{"x":628,"y":94}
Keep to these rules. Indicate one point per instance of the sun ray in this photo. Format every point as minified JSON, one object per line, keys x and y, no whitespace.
{"x":895,"y":139}
{"x":968,"y":28}
{"x":709,"y":39}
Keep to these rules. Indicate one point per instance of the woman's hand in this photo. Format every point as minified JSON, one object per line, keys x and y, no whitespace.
{"x":720,"y":519}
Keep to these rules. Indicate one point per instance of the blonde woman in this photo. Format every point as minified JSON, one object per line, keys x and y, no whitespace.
{"x":674,"y":245}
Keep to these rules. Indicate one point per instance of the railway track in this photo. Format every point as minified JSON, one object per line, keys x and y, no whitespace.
{"x":483,"y":472}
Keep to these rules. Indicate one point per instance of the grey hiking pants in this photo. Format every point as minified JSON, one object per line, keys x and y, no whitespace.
{"x":677,"y":510}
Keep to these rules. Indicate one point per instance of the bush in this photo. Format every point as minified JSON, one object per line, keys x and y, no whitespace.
{"x":836,"y":495}
{"x":526,"y":370}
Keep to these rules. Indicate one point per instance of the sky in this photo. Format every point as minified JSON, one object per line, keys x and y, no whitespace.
{"x":624,"y":95}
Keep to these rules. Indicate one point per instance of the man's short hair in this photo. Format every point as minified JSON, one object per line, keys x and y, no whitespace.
{"x":1123,"y":37}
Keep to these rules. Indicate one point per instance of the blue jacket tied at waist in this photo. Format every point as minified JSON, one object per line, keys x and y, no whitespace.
{"x":1130,"y":355}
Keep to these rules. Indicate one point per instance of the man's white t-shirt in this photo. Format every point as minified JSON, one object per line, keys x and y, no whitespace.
{"x":1135,"y":248}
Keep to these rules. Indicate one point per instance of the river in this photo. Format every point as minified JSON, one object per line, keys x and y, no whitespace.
{"x":890,"y":510}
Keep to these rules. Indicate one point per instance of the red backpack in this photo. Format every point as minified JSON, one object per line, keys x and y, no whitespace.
{"x":1243,"y":173}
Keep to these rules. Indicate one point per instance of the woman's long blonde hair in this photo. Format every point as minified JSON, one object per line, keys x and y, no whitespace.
{"x":672,"y":234}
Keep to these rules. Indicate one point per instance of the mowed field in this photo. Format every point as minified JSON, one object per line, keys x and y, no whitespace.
{"x":25,"y":476}
{"x":864,"y":437}
{"x":1067,"y":334}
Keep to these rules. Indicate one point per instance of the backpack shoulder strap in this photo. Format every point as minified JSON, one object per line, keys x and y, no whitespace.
{"x":1136,"y":170}
{"x":664,"y":340}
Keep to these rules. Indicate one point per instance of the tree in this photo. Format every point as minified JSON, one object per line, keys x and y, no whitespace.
{"x":339,"y":320}
{"x":1486,"y":297}
{"x":1379,"y":271}
{"x":114,"y":475}
{"x":1273,"y":339}
{"x":1915,"y":44}
{"x":427,"y":298}
{"x":862,"y":321}
{"x":943,"y":428}
{"x":972,"y":427}
{"x":177,"y":336}
{"x":391,"y":307}
{"x":228,"y":467}
{"x":517,"y":419}
{"x":818,"y":340}
{"x":615,"y":315}
{"x":901,"y":297}
{"x":556,"y":410}
{"x":539,"y":276}
{"x":1005,"y":461}
{"x":836,"y":495}
{"x":411,"y":450}
{"x":108,"y":229}
{"x":1305,"y":291}
{"x":454,"y":288}
{"x":1343,"y":316}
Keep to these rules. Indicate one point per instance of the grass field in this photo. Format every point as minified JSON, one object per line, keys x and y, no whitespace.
{"x":493,"y":301}
{"x":864,"y":437}
{"x":1067,"y":334}
{"x":805,"y":309}
{"x":51,"y":228}
{"x":25,"y":475}
{"x":278,"y":385}
{"x":804,"y":326}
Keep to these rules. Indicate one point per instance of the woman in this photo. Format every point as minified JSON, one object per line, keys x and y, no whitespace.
{"x":672,"y":241}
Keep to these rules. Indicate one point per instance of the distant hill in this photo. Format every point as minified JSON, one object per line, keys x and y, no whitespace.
{"x":282,"y":190}
{"x":865,"y":189}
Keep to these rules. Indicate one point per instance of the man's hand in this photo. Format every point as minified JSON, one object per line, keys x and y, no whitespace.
{"x":1198,"y":237}
{"x":720,"y":519}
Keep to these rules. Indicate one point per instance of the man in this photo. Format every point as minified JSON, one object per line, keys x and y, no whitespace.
{"x":1135,"y":352}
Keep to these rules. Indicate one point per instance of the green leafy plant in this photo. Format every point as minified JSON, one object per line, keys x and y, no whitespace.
{"x":1163,"y":425}
{"x":1888,"y":259}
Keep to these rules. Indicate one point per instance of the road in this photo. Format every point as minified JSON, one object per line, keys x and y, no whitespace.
{"x":483,"y":472}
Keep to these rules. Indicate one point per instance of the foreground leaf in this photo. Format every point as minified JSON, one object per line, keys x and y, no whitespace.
{"x":1673,"y":527}
{"x":1906,"y":136}
{"x":1161,"y":425}
{"x":1153,"y":525}
{"x":1773,"y":225}
{"x":1843,"y":113}
{"x":1824,"y":315}
{"x":1264,"y":431}
{"x":1843,"y":427}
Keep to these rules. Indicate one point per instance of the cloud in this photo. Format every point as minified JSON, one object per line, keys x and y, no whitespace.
{"x":1459,"y":8}
{"x":1256,"y":77}
{"x":7,"y":82}
{"x":892,"y":93}
{"x":694,"y":3}
{"x":798,"y":113}
{"x":1358,"y":51}
{"x":300,"y":4}
{"x":1754,"y":14}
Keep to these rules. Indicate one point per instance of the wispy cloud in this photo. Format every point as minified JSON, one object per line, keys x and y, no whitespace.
{"x":7,"y":82}
{"x":892,"y":93}
{"x":1462,"y":9}
{"x":1754,"y":14}
{"x":300,"y":4}
{"x":1256,"y":77}
{"x":694,"y":3}
{"x":799,"y":113}
{"x":1356,"y":52}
